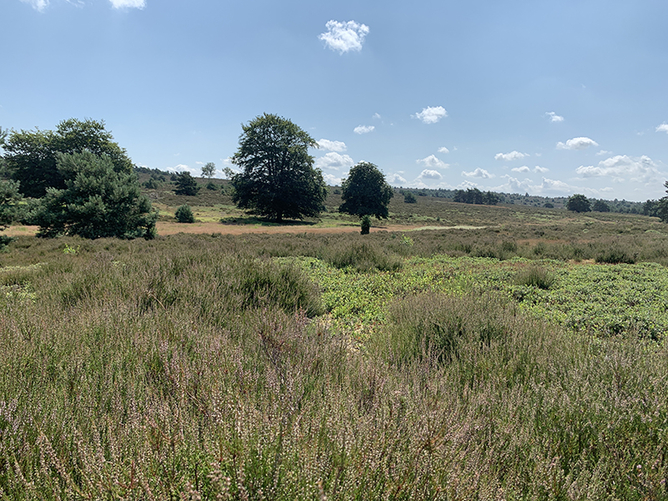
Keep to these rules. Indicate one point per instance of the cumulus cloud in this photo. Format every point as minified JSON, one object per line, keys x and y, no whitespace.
{"x":443,"y":149}
{"x":128,"y":4}
{"x":662,"y":128}
{"x":432,"y":162}
{"x":183,"y":168}
{"x":554,"y":117}
{"x":538,"y":168}
{"x":331,"y":179}
{"x":345,"y":36}
{"x":38,"y":5}
{"x":509,"y":157}
{"x":431,"y":114}
{"x":620,"y":167}
{"x":430,"y":174}
{"x":481,"y":173}
{"x":334,"y":161}
{"x":603,"y":152}
{"x":396,"y":179}
{"x":363,"y":129}
{"x":524,"y":168}
{"x":577,"y":143}
{"x":328,"y":145}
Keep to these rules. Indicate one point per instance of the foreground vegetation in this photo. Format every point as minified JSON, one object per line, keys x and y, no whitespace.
{"x":493,"y":363}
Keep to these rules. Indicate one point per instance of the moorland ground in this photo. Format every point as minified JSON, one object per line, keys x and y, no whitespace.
{"x":457,"y":352}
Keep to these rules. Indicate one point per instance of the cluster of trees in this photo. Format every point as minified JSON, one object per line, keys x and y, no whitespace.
{"x":580,"y":203}
{"x":475,"y":196}
{"x":77,"y":180}
{"x":278,"y":180}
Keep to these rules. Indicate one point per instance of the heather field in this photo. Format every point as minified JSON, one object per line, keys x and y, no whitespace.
{"x":469,"y":353}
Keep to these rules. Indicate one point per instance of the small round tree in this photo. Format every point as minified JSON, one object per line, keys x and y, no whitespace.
{"x":578,"y":203}
{"x":365,"y":192}
{"x":184,"y":214}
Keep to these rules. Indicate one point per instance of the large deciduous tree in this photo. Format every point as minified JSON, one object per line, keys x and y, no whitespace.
{"x":97,"y":201}
{"x":277,"y":178}
{"x":578,"y":203}
{"x":365,"y":192}
{"x":31,"y":156}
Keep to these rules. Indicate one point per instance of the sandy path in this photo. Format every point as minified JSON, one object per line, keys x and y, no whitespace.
{"x":169,"y":228}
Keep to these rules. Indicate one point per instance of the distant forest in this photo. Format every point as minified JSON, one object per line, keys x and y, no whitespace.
{"x":475,"y":196}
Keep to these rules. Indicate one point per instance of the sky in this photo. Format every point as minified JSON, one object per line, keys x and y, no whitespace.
{"x":543,"y":97}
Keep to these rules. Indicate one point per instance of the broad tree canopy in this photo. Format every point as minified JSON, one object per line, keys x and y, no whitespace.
{"x":365,"y":192}
{"x":97,"y":201}
{"x":578,"y":203}
{"x":277,"y":179}
{"x":31,"y":156}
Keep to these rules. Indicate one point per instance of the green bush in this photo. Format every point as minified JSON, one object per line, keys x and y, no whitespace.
{"x":615,"y":256}
{"x":365,"y":224}
{"x":184,"y":214}
{"x":535,"y":277}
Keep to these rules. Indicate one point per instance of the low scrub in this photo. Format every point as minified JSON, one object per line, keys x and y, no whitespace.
{"x":535,"y":276}
{"x":361,"y":256}
{"x":437,"y":327}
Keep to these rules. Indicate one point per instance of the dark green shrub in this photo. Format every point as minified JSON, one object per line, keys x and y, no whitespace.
{"x":186,"y":185}
{"x":615,"y":256}
{"x":184,"y":214}
{"x":365,"y":224}
{"x":211,"y":186}
{"x":410,"y":198}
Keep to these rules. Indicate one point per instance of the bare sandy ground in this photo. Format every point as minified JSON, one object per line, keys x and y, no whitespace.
{"x":168,"y":228}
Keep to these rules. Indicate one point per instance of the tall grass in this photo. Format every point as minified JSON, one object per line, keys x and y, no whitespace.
{"x":194,"y":368}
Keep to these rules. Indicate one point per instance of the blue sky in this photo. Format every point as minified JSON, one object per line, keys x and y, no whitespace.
{"x":546,"y":97}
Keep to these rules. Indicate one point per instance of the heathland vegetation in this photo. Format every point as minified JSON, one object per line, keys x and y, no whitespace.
{"x":482,"y":352}
{"x":458,"y":351}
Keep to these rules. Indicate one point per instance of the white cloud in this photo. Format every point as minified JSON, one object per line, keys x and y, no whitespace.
{"x":377,"y":116}
{"x":396,"y":179}
{"x":328,"y":145}
{"x":482,"y":173}
{"x":363,"y":129}
{"x":184,"y":168}
{"x":538,"y":168}
{"x":603,"y":152}
{"x":508,"y":157}
{"x":331,"y":179}
{"x":432,"y":162}
{"x":443,"y":149}
{"x":344,"y":37}
{"x":577,"y":143}
{"x":524,"y":168}
{"x":431,"y":114}
{"x":38,"y":5}
{"x":662,"y":128}
{"x":334,"y":161}
{"x":128,"y":4}
{"x":430,"y":174}
{"x":642,"y":169}
{"x":554,"y":117}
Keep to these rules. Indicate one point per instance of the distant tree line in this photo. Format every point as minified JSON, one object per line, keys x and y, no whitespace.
{"x":475,"y":196}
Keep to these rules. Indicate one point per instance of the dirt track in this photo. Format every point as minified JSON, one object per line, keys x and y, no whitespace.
{"x":168,"y":228}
